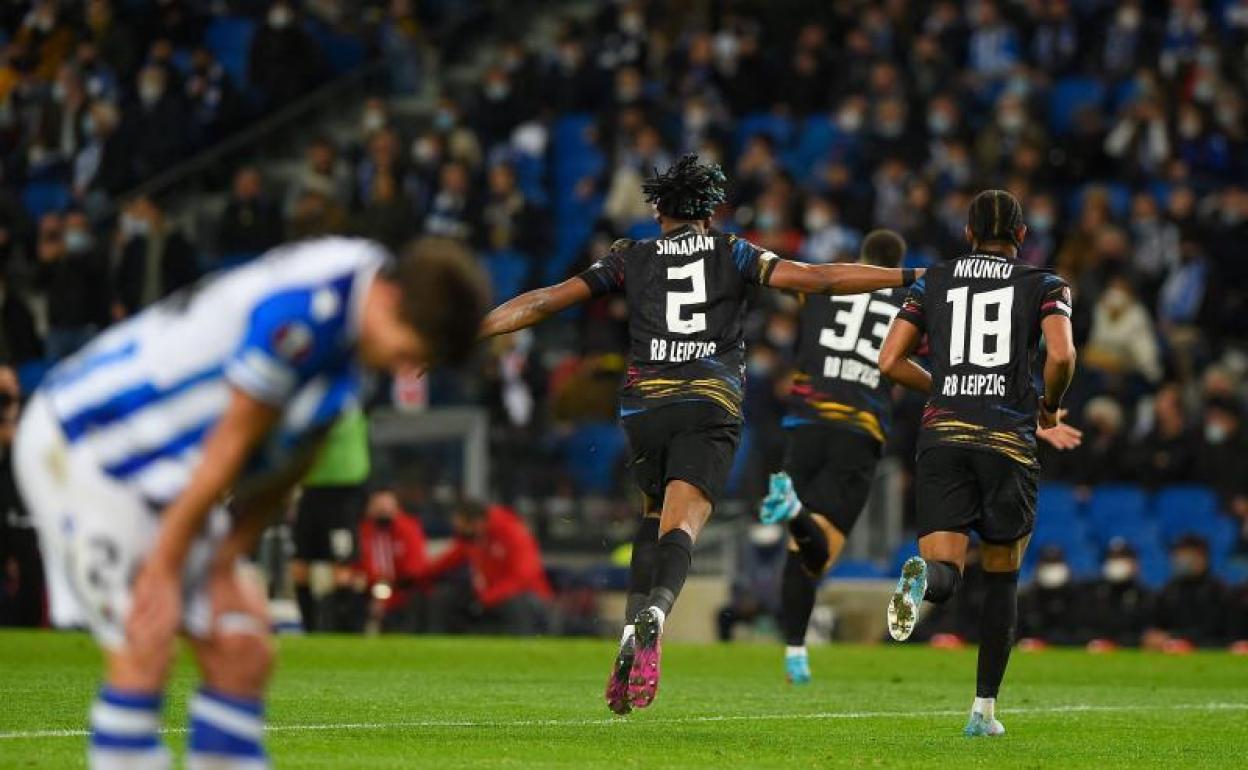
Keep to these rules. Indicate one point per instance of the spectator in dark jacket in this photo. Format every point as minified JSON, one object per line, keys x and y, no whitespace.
{"x":70,"y":272}
{"x":1192,"y":608}
{"x":21,"y":589}
{"x":510,"y":590}
{"x":20,"y":340}
{"x":285,"y":62}
{"x":1102,"y":457}
{"x":510,"y":220}
{"x":1047,"y":609}
{"x":251,"y":222}
{"x":1166,"y":454}
{"x":156,"y":259}
{"x":1117,"y":607}
{"x":159,"y":124}
{"x":1223,"y":453}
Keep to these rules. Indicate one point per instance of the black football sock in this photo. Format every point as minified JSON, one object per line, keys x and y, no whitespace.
{"x":307,"y":607}
{"x":673,"y":557}
{"x":641,"y":567}
{"x":996,"y":631}
{"x":797,"y":600}
{"x":943,"y":579}
{"x":812,"y":542}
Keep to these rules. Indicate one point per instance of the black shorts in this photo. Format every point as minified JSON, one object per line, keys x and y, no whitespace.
{"x":326,"y":523}
{"x":832,"y":470}
{"x":959,"y":489}
{"x":691,"y":441}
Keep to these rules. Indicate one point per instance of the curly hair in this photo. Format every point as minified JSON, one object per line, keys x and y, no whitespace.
{"x":688,"y":190}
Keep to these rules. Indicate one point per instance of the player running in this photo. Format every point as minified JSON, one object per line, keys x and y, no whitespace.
{"x":128,"y":451}
{"x":839,"y":414}
{"x":681,"y":401}
{"x":983,"y":315}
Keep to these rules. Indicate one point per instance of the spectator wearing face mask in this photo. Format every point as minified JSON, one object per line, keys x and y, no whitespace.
{"x":156,"y":259}
{"x":1155,"y":242}
{"x":1167,"y":453}
{"x":827,"y":239}
{"x":1122,"y":345}
{"x":1140,"y":141}
{"x":1223,"y":454}
{"x":1011,"y":128}
{"x":284,"y":62}
{"x":1042,"y":219}
{"x":1116,"y":608}
{"x":1047,"y":609}
{"x":160,"y":124}
{"x":70,"y":273}
{"x":1192,"y":609}
{"x":392,"y":558}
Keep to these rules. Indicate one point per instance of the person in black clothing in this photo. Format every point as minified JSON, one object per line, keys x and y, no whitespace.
{"x":284,"y":61}
{"x":1223,"y":453}
{"x":156,"y":259}
{"x":1117,"y":607}
{"x":21,"y":568}
{"x":70,"y":272}
{"x":159,"y":124}
{"x":1047,"y":608}
{"x":1192,"y":608}
{"x":1103,"y":455}
{"x":1167,"y":454}
{"x":840,"y":410}
{"x":19,"y":339}
{"x":251,"y":223}
{"x":984,"y":315}
{"x":681,"y":401}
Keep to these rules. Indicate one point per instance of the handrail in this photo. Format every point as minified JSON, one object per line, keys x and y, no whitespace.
{"x":265,"y":126}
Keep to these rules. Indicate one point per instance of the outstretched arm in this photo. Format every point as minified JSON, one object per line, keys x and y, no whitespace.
{"x":840,"y":278}
{"x":1059,"y":370}
{"x":534,"y":306}
{"x":895,"y":363}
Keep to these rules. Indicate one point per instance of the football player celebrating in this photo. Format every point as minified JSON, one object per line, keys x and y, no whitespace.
{"x":681,"y":400}
{"x":984,"y":315}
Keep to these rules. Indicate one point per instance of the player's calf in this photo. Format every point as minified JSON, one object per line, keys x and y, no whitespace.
{"x":227,"y":712}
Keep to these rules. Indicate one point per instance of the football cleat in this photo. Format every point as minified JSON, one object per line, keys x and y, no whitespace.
{"x":981,"y":726}
{"x":781,"y":503}
{"x":643,"y":678}
{"x":617,"y":682}
{"x":903,"y":607}
{"x":797,"y":668}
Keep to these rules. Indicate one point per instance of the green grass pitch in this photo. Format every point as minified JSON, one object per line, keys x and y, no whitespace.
{"x":404,"y":702}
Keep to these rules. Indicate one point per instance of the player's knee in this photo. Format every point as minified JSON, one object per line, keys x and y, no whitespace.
{"x":240,"y":664}
{"x":144,"y":670}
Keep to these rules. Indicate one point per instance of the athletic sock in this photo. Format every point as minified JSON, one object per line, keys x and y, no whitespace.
{"x":943,"y":579}
{"x":641,"y":566}
{"x":996,"y":631}
{"x":307,"y":607}
{"x":812,"y":542}
{"x":985,"y":706}
{"x":797,"y":599}
{"x":791,"y":650}
{"x":125,"y":731}
{"x":227,"y":732}
{"x":672,"y":560}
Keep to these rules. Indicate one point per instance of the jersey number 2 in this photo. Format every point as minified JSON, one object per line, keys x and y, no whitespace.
{"x":982,"y":329}
{"x":676,"y":300}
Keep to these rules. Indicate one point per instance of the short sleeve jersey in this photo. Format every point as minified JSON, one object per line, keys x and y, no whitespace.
{"x":686,"y":295}
{"x":982,"y":317}
{"x":838,"y":378}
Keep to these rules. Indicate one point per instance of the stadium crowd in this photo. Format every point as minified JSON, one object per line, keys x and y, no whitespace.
{"x":1122,"y":127}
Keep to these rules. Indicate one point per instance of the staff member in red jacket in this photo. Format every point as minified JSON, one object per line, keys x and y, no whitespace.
{"x":393,"y":562}
{"x":508,"y":580}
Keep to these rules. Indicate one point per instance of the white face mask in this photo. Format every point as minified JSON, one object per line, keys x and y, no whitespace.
{"x":850,"y":121}
{"x":1115,"y":300}
{"x":1118,"y":569}
{"x":1052,"y":575}
{"x":1011,"y":121}
{"x":280,"y":17}
{"x":1216,"y":433}
{"x":816,"y":219}
{"x":373,"y":120}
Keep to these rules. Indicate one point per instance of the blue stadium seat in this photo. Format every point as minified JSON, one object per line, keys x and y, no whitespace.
{"x":229,"y":39}
{"x":1066,"y":533}
{"x":1069,"y":96}
{"x":778,"y":127}
{"x":1058,"y":501}
{"x":40,"y":198}
{"x":1185,"y":499}
{"x":592,"y":453}
{"x":904,"y":551}
{"x":1154,"y":569}
{"x":508,"y":272}
{"x":1117,"y":501}
{"x":343,"y":52}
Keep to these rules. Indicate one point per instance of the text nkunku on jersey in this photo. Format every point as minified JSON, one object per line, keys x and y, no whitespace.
{"x":838,"y":378}
{"x":982,"y":317}
{"x":686,"y":294}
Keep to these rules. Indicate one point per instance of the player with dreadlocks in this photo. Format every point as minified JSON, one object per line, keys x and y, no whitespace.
{"x":681,"y":400}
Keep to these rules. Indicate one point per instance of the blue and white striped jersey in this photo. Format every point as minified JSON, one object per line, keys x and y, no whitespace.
{"x":141,"y":398}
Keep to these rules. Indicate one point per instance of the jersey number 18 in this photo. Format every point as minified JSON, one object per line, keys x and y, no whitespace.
{"x":982,"y":329}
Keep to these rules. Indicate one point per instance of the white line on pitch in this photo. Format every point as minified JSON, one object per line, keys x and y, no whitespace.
{"x":821,"y":715}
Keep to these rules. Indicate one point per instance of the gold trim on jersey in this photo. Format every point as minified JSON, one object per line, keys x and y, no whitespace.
{"x":834,"y":411}
{"x":1005,"y":442}
{"x":711,"y":389}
